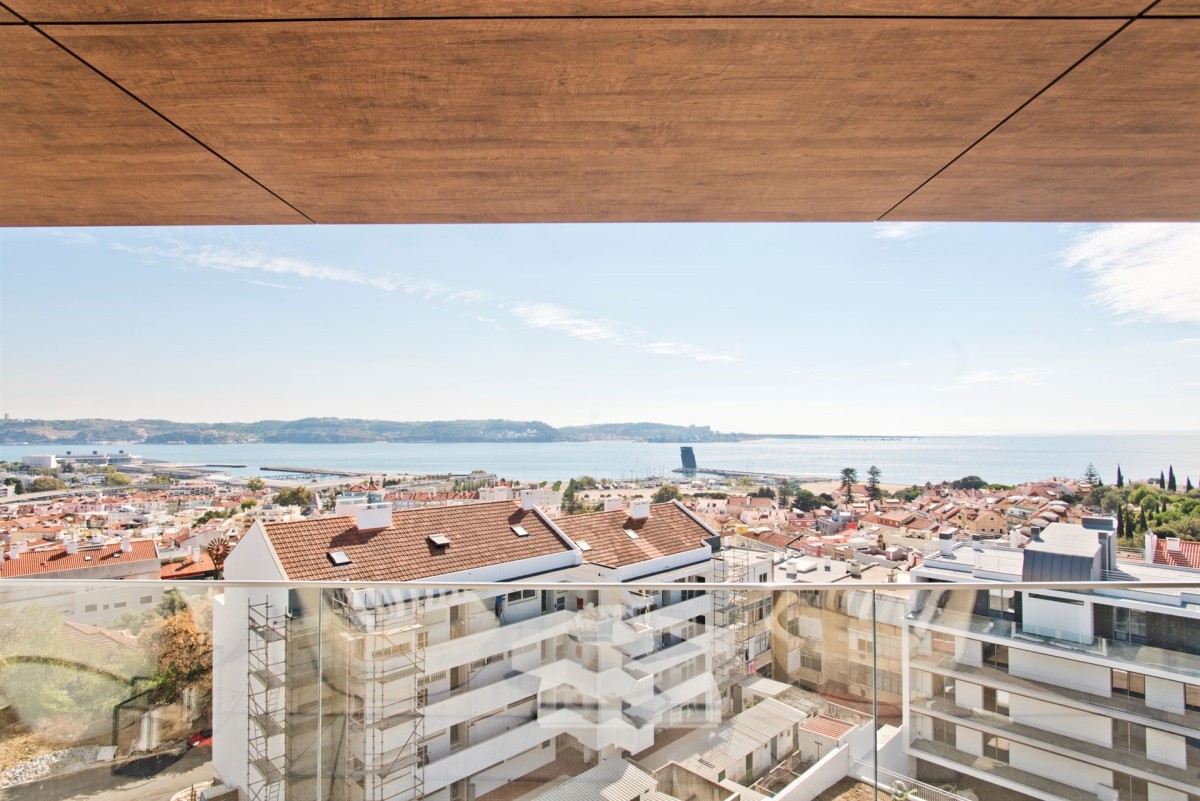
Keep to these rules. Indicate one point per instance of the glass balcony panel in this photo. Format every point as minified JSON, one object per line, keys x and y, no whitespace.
{"x":425,"y":691}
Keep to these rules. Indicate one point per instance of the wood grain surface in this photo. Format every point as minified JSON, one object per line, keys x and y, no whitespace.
{"x":1117,"y":139}
{"x":170,"y":10}
{"x":565,"y":120}
{"x":78,"y":151}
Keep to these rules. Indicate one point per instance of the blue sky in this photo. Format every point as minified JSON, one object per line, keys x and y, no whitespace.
{"x":846,"y":328}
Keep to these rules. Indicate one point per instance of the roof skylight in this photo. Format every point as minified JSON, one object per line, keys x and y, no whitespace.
{"x":440,"y":540}
{"x":338,"y":558}
{"x":583,"y":546}
{"x":631,"y":534}
{"x":519,"y":531}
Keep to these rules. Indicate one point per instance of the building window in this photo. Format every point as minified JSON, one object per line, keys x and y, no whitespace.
{"x":996,"y":748}
{"x":944,"y":732}
{"x":1191,"y":697}
{"x":1127,"y":683}
{"x":89,"y":608}
{"x":146,"y":599}
{"x":1129,"y":736}
{"x":1129,"y":625}
{"x":995,"y":656}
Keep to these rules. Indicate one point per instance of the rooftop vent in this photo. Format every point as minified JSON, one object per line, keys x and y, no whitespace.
{"x":631,"y":534}
{"x":440,"y":540}
{"x":583,"y":546}
{"x":639,"y":510}
{"x":338,"y":558}
{"x":519,"y":531}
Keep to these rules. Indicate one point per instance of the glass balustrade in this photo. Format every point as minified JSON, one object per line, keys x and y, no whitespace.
{"x":524,"y":691}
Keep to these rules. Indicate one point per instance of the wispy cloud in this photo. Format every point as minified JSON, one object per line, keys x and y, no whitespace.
{"x":680,"y":349}
{"x":564,"y":320}
{"x":997,"y":377}
{"x":228,"y":259}
{"x":903,"y":230}
{"x":270,"y":284}
{"x":1144,"y":271}
{"x":250,"y":262}
{"x":574,"y":324}
{"x":71,"y":237}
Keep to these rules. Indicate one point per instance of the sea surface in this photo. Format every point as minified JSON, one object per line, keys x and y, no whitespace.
{"x":998,"y":459}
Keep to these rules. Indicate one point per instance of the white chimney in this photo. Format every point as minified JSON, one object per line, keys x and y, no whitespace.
{"x":1150,"y":547}
{"x":639,"y":510}
{"x":1014,"y":537}
{"x":126,"y":545}
{"x":946,"y":543}
{"x":527,"y":500}
{"x":613,"y":504}
{"x":373,"y":516}
{"x":13,"y":553}
{"x":71,"y":547}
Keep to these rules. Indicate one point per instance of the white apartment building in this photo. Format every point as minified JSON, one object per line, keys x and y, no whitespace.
{"x":1058,"y":695}
{"x":41,"y":461}
{"x":399,"y":694}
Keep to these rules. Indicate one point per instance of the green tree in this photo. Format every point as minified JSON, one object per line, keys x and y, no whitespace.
{"x":118,"y":479}
{"x":248,"y":504}
{"x":873,"y":491}
{"x":256,"y":484}
{"x":294,"y":496}
{"x":1120,"y":478}
{"x":667,"y":492}
{"x":805,"y":501}
{"x":570,"y":503}
{"x":556,"y":486}
{"x":763,"y":492}
{"x":1142,"y":525}
{"x":587,"y":483}
{"x":1120,"y":525}
{"x":15,"y":483}
{"x":782,"y":494}
{"x":1162,"y":480}
{"x":1171,"y":478}
{"x":849,"y":476}
{"x":45,"y":484}
{"x":1188,"y":486}
{"x":1091,"y":475}
{"x":969,"y":482}
{"x":910,"y":494}
{"x":182,"y":655}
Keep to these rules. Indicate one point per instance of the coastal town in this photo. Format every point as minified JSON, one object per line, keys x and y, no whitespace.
{"x":807,"y":680}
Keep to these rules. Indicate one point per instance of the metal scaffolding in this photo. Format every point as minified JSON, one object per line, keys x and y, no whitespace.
{"x":265,"y":688}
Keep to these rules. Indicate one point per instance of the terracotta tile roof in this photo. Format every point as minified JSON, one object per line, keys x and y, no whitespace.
{"x":479,"y":536}
{"x":189,"y":569}
{"x":39,"y":563}
{"x":828,"y":727}
{"x":95,"y":640}
{"x":667,"y":531}
{"x":1188,"y":554}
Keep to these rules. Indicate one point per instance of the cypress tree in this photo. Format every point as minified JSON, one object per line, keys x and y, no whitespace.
{"x":1120,"y":478}
{"x":1120,"y":524}
{"x":1171,"y":478}
{"x":1162,"y":480}
{"x":1188,"y":486}
{"x":1142,"y":519}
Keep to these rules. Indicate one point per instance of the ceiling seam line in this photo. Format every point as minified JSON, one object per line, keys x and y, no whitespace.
{"x":567,"y":17}
{"x":169,"y":121}
{"x":1008,"y":117}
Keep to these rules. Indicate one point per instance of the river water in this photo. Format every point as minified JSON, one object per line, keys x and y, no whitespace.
{"x":1000,"y":459}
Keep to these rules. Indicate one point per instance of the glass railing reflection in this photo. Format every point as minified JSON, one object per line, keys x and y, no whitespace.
{"x":505,"y":692}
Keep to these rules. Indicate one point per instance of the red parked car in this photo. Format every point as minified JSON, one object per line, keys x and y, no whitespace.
{"x":200,"y":739}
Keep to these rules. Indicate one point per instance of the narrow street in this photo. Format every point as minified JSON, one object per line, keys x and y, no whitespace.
{"x":153,"y":778}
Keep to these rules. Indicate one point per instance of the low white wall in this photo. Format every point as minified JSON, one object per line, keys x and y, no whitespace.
{"x":1059,"y":768}
{"x":831,"y":769}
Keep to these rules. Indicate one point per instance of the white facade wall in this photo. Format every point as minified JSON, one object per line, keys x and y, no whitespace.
{"x":1165,"y":694}
{"x":1059,"y":768}
{"x":1064,"y":618}
{"x":1062,"y":720}
{"x":1091,"y":678}
{"x":1167,"y":748}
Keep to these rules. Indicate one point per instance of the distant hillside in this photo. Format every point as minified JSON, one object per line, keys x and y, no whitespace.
{"x":337,"y":430}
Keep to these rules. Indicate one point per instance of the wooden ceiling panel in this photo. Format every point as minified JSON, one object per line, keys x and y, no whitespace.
{"x":597,"y":120}
{"x":78,"y":151}
{"x":1116,"y":139}
{"x":8,"y":18}
{"x":1167,"y":8}
{"x":208,"y":10}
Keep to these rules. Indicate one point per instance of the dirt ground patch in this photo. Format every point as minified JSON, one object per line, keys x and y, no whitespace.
{"x":850,"y":790}
{"x":17,"y":748}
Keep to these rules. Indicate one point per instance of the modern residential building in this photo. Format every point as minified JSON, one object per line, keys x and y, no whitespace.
{"x":397,"y":694}
{"x":1071,"y":695}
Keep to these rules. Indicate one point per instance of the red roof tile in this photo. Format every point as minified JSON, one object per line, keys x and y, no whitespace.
{"x":667,"y":531}
{"x":1188,"y":554}
{"x":189,"y":569}
{"x":39,"y":563}
{"x":479,"y":534}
